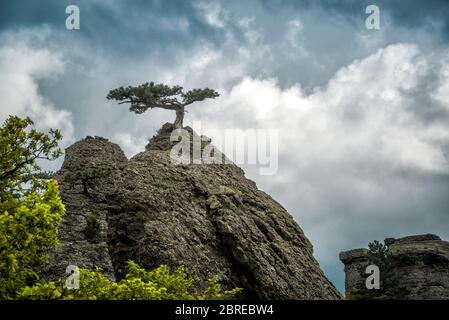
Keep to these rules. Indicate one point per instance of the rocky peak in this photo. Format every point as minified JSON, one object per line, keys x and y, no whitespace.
{"x":209,"y":218}
{"x":93,"y":151}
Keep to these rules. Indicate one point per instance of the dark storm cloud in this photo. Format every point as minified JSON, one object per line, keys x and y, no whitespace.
{"x":432,"y":14}
{"x":122,"y":26}
{"x":31,"y":13}
{"x":116,"y":22}
{"x":131,"y":29}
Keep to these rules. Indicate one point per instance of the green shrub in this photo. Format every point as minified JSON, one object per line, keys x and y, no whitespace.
{"x":139,"y":284}
{"x":29,"y":213}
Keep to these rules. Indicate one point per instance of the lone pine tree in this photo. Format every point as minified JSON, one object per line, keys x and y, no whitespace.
{"x":150,"y":95}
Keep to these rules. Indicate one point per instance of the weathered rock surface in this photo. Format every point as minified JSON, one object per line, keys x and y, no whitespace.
{"x":355,"y":262}
{"x":420,"y":267}
{"x":209,"y":218}
{"x":84,"y":229}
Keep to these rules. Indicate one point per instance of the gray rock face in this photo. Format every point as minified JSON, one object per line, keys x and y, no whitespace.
{"x":84,"y":229}
{"x":354,"y":260}
{"x":420,"y":267}
{"x":209,"y":218}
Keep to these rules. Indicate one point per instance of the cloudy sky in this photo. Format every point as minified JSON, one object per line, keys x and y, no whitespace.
{"x":362,"y":114}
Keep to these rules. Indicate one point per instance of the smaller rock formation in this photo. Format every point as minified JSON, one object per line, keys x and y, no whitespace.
{"x":419,"y":268}
{"x":355,"y":261}
{"x":84,"y":229}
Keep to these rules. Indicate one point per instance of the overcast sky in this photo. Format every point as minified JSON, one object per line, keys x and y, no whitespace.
{"x":362,"y":114}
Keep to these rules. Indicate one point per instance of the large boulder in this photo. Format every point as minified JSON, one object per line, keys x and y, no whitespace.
{"x":209,"y":218}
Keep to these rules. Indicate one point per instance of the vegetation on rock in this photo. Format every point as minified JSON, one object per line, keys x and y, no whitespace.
{"x":139,"y":284}
{"x":150,"y":95}
{"x":29,"y":213}
{"x":379,"y":256}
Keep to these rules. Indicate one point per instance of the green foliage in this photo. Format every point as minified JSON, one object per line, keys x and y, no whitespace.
{"x":20,"y":147}
{"x":214,"y":291}
{"x":150,"y":95}
{"x":378,"y":255}
{"x":139,"y":284}
{"x":46,"y":175}
{"x":29,"y":214}
{"x":198,"y":95}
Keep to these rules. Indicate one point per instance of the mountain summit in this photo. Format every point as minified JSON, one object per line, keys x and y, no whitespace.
{"x":209,"y":218}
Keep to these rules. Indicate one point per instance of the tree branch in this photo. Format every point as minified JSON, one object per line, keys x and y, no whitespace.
{"x":9,"y":173}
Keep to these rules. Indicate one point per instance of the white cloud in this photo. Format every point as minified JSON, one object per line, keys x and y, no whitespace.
{"x":21,"y":66}
{"x":213,"y":13}
{"x":441,"y":94}
{"x":365,"y":105}
{"x":293,"y":42}
{"x":130,"y":144}
{"x":251,"y":34}
{"x":354,"y":149}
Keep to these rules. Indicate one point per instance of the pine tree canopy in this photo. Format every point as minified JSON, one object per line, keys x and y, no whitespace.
{"x":150,"y":95}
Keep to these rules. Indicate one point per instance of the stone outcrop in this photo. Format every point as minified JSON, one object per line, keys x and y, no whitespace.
{"x":209,"y":218}
{"x":84,"y":230}
{"x":355,"y":262}
{"x":419,"y":268}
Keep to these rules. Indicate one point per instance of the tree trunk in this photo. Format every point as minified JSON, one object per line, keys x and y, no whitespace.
{"x":179,"y":118}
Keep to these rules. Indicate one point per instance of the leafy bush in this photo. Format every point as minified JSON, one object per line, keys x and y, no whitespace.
{"x":379,"y":255}
{"x":139,"y":284}
{"x":29,"y":213}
